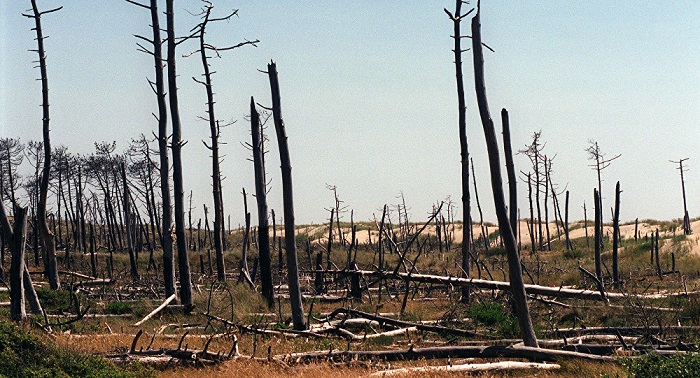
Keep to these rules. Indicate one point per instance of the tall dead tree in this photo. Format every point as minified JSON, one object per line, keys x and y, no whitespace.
{"x":686,"y":219}
{"x":514,"y":267}
{"x":463,"y":142}
{"x":158,"y":87}
{"x":46,"y":235}
{"x":257,"y":146}
{"x":288,"y":203}
{"x":599,"y":164}
{"x":214,"y":127}
{"x":183,"y":259}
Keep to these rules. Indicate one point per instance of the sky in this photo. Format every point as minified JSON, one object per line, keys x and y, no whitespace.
{"x":369,"y":96}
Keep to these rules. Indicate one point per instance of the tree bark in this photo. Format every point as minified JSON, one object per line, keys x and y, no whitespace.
{"x":287,"y":197}
{"x":515,"y":272}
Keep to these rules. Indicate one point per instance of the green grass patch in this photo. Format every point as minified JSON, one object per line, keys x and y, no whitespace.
{"x":25,"y":355}
{"x":654,"y":365}
{"x":118,"y":308}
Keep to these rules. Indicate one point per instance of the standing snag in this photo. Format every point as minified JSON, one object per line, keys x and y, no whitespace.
{"x":514,"y":266}
{"x":177,"y":143}
{"x":46,"y":235}
{"x":288,"y":203}
{"x":464,"y":146}
{"x":686,"y":219}
{"x":261,"y":199}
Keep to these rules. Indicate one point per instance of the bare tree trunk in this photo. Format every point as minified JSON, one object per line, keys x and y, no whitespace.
{"x":289,"y":236}
{"x":510,"y":169}
{"x":261,"y":198}
{"x":182,"y":257}
{"x":215,"y":160}
{"x":598,"y":238}
{"x":46,"y":235}
{"x":464,"y":147}
{"x":165,"y":233}
{"x":127,"y":227}
{"x":16,"y":237}
{"x":515,"y":272}
{"x":616,"y":235}
{"x":566,"y":222}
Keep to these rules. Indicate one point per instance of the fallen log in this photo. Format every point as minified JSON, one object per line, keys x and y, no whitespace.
{"x":156,"y":311}
{"x":558,"y":292}
{"x":403,"y":324}
{"x":500,"y":366}
{"x":530,"y":353}
{"x":627,"y":331}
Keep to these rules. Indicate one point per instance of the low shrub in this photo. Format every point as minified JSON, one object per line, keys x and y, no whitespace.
{"x":684,"y":365}
{"x":25,"y":355}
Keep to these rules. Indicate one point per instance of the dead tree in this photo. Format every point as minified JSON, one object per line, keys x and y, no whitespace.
{"x":257,"y":146}
{"x":287,"y":197}
{"x":686,"y":219}
{"x":133,"y":263}
{"x":166,"y":240}
{"x":177,"y":143}
{"x":534,"y":152}
{"x":599,"y":164}
{"x":616,"y":236}
{"x":598,"y":239}
{"x":16,"y":238}
{"x":512,"y":180}
{"x":515,"y":272}
{"x":463,"y":143}
{"x":214,"y":127}
{"x":46,"y":235}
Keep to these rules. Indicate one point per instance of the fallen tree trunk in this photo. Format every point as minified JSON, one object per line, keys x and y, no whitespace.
{"x":559,"y":292}
{"x":402,"y":324}
{"x":156,"y":311}
{"x":469,"y":368}
{"x":533,"y":354}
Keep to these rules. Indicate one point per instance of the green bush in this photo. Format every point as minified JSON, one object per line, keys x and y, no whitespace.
{"x":492,"y":314}
{"x":684,"y":365}
{"x":53,"y":299}
{"x":118,"y":308}
{"x":24,"y":355}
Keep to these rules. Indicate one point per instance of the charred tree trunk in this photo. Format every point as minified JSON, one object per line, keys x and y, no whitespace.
{"x":566,"y":222}
{"x":289,"y":235}
{"x":182,"y":257}
{"x":46,"y":235}
{"x":515,"y":272}
{"x":261,"y":198}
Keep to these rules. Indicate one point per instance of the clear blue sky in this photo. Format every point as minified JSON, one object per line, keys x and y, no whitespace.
{"x":369,"y":98}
